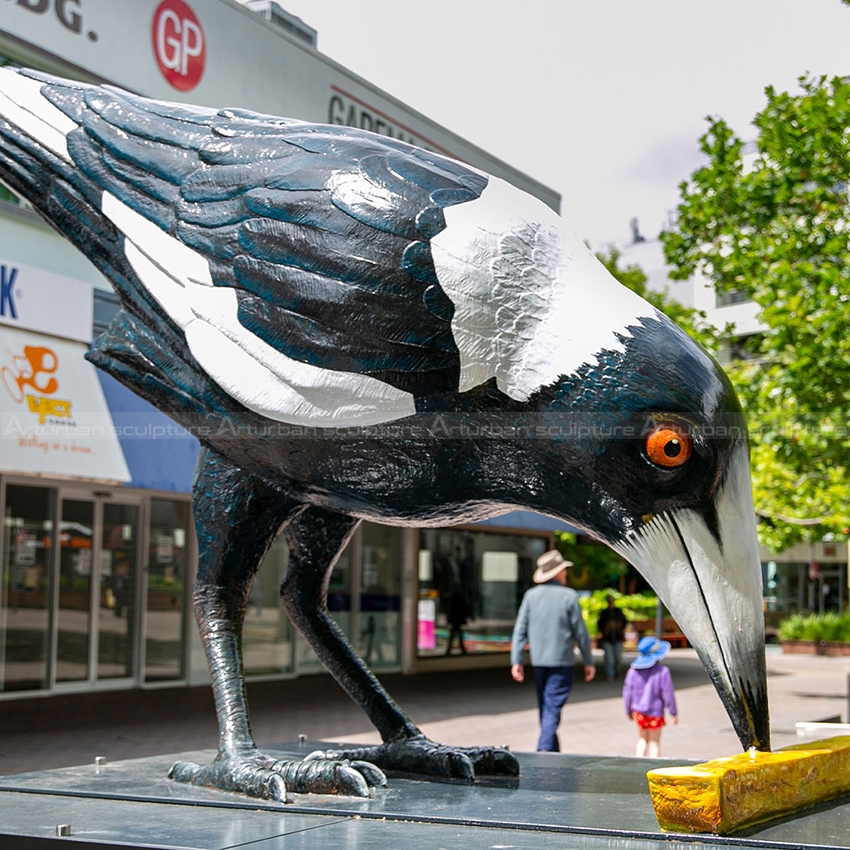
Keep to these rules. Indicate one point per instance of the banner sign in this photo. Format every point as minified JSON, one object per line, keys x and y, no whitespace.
{"x":53,"y":416}
{"x":39,"y":300}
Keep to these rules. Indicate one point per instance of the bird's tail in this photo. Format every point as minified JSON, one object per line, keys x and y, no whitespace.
{"x":143,"y":347}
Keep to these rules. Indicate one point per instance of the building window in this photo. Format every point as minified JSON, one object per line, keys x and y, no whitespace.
{"x":475,"y":580}
{"x":268,"y":646}
{"x":106,"y":305}
{"x":732,"y":296}
{"x":380,"y":595}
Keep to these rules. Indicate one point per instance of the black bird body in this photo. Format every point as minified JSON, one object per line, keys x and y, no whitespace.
{"x":356,"y":328}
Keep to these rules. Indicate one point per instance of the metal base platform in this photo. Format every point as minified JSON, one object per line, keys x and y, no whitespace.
{"x":559,"y":802}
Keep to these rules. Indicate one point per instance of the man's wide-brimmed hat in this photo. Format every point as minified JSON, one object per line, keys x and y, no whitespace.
{"x":650,"y":649}
{"x":549,"y":564}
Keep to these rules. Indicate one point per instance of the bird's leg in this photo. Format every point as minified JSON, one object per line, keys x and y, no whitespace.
{"x":316,"y":537}
{"x":237,"y":520}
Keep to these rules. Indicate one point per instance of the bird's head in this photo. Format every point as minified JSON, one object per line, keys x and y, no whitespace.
{"x":640,"y":441}
{"x":654,"y":462}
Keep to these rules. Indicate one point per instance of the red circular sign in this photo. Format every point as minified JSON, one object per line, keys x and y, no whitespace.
{"x":178,"y":44}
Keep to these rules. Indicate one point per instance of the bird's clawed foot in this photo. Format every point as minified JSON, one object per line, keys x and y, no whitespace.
{"x":269,"y":779}
{"x":420,"y":756}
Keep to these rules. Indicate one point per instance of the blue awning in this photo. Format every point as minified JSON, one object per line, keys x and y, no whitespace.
{"x":530,"y":521}
{"x":159,"y":453}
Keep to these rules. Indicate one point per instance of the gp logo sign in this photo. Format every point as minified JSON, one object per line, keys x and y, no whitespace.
{"x":178,"y":44}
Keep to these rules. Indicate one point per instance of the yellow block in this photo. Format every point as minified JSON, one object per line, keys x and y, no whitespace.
{"x":726,"y":794}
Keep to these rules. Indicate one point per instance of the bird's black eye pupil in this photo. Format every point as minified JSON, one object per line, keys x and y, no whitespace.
{"x":673,"y":448}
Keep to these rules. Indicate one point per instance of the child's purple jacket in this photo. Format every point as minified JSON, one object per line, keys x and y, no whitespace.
{"x":649,"y":691}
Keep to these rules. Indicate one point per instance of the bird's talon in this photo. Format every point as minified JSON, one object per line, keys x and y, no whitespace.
{"x":505,"y":762}
{"x":184,"y":771}
{"x":275,"y":788}
{"x":460,"y":766}
{"x":270,"y":779}
{"x":425,"y":758}
{"x":374,"y":775}
{"x":351,"y":782}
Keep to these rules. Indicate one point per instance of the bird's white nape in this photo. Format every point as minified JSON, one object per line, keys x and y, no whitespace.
{"x":531,"y":301}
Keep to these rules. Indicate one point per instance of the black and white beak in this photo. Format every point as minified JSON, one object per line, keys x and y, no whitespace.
{"x":710,"y":581}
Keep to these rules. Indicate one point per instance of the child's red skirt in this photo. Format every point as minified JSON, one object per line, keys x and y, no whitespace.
{"x":645,"y":721}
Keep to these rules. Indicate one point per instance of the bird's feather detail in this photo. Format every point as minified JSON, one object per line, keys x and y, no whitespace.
{"x":519,"y":280}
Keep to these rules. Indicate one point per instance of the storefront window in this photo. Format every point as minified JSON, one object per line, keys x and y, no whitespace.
{"x":363,"y":599}
{"x":380,"y":595}
{"x":167,"y":571}
{"x":339,"y":606}
{"x":475,"y":579}
{"x":267,"y":634}
{"x":785,"y":587}
{"x":25,"y":591}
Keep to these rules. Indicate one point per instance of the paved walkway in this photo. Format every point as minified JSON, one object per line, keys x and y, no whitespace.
{"x":470,"y":707}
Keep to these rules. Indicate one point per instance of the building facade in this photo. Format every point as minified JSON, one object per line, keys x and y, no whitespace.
{"x":99,"y":550}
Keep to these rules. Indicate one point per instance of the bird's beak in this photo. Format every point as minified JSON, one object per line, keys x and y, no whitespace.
{"x":710,"y":581}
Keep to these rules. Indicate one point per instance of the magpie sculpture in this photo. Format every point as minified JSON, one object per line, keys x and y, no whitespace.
{"x":357,"y":329}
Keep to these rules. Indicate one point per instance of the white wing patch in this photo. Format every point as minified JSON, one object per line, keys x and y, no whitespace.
{"x":39,"y":118}
{"x":532,"y":303}
{"x":245,"y":367}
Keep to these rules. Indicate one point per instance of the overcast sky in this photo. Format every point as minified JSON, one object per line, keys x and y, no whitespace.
{"x":603,"y":100}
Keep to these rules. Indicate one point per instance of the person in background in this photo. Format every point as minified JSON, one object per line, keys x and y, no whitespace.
{"x":647,"y":692}
{"x":457,"y":618}
{"x":611,"y":626}
{"x":550,"y":622}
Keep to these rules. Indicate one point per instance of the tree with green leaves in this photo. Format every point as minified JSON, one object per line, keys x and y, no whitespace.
{"x":773,"y":224}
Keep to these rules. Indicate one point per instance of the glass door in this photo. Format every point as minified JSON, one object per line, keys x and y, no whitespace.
{"x":72,"y":647}
{"x":166,"y":574}
{"x":95,"y":622}
{"x":115,"y":599}
{"x":68,"y":588}
{"x":25,"y":597}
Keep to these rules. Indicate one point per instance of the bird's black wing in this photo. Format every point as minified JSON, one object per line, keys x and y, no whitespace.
{"x":320,"y":233}
{"x":319,"y":229}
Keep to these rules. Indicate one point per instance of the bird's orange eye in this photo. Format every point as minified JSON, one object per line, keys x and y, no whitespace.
{"x":669,"y":446}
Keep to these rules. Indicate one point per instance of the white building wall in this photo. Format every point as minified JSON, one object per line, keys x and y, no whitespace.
{"x":240,"y":60}
{"x":696,"y":292}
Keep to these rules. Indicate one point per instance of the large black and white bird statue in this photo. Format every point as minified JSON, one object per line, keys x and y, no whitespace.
{"x":391,"y":303}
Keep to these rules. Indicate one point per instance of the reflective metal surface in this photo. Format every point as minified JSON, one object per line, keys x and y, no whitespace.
{"x":559,"y":801}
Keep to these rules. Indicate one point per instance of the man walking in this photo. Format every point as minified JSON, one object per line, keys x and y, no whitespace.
{"x":550,"y":622}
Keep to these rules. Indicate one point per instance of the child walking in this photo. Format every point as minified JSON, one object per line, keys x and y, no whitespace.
{"x":647,"y":691}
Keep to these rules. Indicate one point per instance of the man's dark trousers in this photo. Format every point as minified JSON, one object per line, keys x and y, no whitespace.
{"x":553,"y":689}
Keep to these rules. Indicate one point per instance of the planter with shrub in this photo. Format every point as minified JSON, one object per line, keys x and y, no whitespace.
{"x":818,"y":634}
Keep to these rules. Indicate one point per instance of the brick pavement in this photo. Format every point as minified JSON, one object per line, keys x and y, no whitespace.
{"x":469,"y":707}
